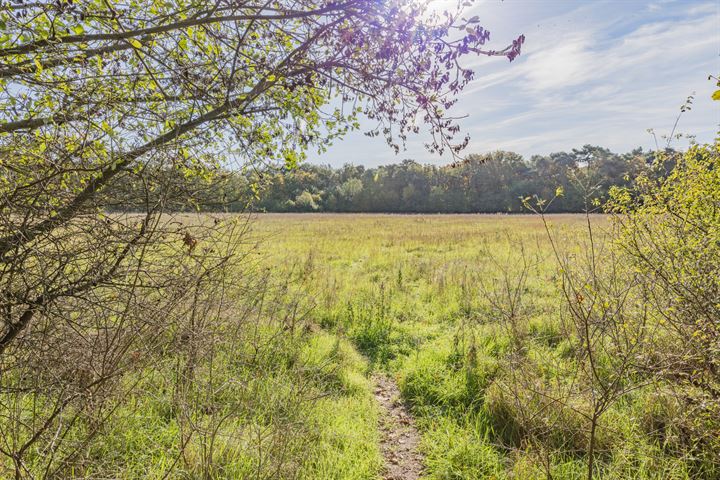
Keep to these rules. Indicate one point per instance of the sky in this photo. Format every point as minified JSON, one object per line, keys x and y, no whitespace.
{"x":591,"y":72}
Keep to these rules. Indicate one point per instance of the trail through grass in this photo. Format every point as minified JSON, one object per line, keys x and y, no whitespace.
{"x":399,"y":440}
{"x":414,"y":294}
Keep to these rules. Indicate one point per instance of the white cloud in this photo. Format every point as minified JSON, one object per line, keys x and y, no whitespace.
{"x":602,"y":72}
{"x":568,"y":63}
{"x":587,"y":88}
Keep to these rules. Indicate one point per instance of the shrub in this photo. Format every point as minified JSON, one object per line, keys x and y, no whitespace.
{"x":670,"y":234}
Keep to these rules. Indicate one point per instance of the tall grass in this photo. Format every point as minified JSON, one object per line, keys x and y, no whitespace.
{"x":467,"y":313}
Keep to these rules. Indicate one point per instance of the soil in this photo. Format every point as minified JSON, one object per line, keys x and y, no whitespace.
{"x":400,"y":439}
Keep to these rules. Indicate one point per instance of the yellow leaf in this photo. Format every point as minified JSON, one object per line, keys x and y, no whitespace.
{"x":135,"y":43}
{"x":716,"y":95}
{"x":39,"y":66}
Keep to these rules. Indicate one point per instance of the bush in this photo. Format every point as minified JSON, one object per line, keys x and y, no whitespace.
{"x":670,"y":234}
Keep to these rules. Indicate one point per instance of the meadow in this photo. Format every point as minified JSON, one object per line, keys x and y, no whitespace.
{"x":140,"y":340}
{"x":270,"y":366}
{"x":466,"y":313}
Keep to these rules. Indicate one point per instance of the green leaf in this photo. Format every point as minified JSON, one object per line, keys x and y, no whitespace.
{"x":135,"y":43}
{"x":291,"y":160}
{"x":78,"y":29}
{"x":716,"y":95}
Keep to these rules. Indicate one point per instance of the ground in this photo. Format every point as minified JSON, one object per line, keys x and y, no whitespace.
{"x":382,"y":347}
{"x":420,"y":297}
{"x":405,"y":290}
{"x":400,"y":440}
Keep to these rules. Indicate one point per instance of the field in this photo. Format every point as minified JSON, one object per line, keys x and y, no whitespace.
{"x":436,"y":302}
{"x":367,"y":346}
{"x":268,"y":241}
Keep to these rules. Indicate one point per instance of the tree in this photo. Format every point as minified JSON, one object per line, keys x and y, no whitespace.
{"x":92,"y":92}
{"x":155,"y":96}
{"x":494,"y":181}
{"x":347,"y":191}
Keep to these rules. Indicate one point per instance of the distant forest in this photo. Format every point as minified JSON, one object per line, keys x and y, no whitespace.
{"x":488,"y":183}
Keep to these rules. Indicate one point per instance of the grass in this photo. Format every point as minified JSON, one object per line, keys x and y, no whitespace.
{"x":418,"y":296}
{"x":423,"y":298}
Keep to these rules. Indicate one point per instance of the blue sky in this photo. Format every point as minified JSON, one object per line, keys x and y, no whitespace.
{"x":598,"y":72}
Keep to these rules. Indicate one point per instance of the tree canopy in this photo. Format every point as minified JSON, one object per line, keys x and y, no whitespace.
{"x":489,"y":183}
{"x":97,"y":93}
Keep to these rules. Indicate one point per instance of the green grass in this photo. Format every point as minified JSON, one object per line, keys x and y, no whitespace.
{"x":417,"y":296}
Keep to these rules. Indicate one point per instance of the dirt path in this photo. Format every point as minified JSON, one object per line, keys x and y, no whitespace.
{"x":400,"y":440}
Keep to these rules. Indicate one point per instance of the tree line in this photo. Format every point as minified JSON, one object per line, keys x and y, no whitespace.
{"x":496,"y":182}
